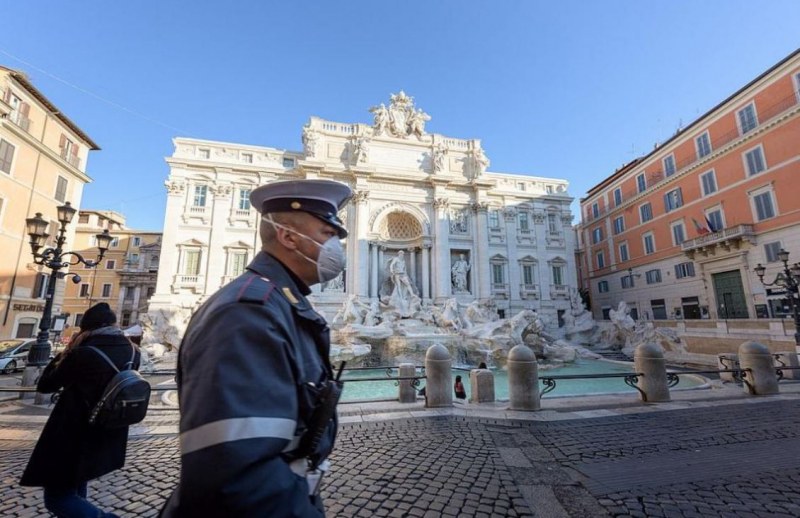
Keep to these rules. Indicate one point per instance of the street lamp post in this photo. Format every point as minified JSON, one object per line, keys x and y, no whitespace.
{"x":54,"y":258}
{"x":789,"y":280}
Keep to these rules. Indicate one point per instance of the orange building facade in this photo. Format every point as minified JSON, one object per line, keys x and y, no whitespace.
{"x":125,"y":279}
{"x":676,"y":234}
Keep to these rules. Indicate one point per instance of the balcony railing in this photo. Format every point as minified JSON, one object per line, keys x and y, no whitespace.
{"x":559,"y":291}
{"x":71,"y":159}
{"x":188,"y":280}
{"x":725,"y":237}
{"x":242,"y":213}
{"x":529,"y":291}
{"x":765,"y":115}
{"x":499,"y":288}
{"x":20,"y":120}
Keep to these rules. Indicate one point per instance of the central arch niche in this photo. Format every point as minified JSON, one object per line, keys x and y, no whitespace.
{"x":394,"y":228}
{"x":399,"y":226}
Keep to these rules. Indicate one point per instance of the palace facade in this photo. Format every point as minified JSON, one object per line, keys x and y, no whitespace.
{"x":678,"y":233}
{"x":466,"y":232}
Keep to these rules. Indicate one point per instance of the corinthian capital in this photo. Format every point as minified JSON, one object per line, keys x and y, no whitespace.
{"x":441,"y":203}
{"x":479,"y":206}
{"x":174,"y":186}
{"x":360,"y":197}
{"x":221,"y":190}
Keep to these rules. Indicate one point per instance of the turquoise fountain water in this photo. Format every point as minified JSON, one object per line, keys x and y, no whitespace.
{"x":368,"y":390}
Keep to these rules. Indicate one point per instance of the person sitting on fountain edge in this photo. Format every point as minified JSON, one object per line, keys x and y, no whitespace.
{"x":458,"y":387}
{"x":252,"y":365}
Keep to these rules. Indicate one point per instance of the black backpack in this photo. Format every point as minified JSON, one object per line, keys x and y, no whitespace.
{"x":125,"y":398}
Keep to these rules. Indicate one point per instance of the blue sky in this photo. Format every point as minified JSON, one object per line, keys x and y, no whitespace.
{"x":567,"y":89}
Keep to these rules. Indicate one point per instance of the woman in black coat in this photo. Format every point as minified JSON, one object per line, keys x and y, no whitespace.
{"x":70,"y":451}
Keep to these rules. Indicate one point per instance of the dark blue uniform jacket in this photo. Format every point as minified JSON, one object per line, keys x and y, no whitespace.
{"x":248,"y":364}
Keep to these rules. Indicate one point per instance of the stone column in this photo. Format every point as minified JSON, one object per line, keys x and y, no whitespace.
{"x":381,"y":265}
{"x":758,"y":369}
{"x":135,"y":313}
{"x":514,"y":268}
{"x":169,"y":257}
{"x":426,"y":273}
{"x":412,"y":258}
{"x":481,"y":383}
{"x":120,"y":300}
{"x":523,"y":379}
{"x":441,"y":287}
{"x":373,"y":274}
{"x":439,"y":378}
{"x":214,"y":261}
{"x":360,"y":270}
{"x":408,"y":394}
{"x":481,"y":262}
{"x":648,"y":359}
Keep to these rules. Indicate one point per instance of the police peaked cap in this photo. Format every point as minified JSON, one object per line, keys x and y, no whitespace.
{"x":320,"y":198}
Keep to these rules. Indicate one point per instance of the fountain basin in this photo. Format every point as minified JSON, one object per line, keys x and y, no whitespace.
{"x":376,"y":390}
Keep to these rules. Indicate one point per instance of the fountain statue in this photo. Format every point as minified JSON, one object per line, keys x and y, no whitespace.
{"x":579,"y":326}
{"x":398,"y":328}
{"x":402,"y":298}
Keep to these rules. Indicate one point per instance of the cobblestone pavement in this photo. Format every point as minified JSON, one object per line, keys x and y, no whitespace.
{"x":740,"y":460}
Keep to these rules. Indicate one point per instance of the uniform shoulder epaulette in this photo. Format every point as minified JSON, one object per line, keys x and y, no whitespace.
{"x":255,"y":290}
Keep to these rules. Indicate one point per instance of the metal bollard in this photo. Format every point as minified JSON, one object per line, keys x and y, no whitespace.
{"x":648,"y":358}
{"x":727,"y":361}
{"x":481,"y":383}
{"x":408,"y":394}
{"x":439,"y":378}
{"x":523,"y":379}
{"x":758,"y":369}
{"x":788,"y":359}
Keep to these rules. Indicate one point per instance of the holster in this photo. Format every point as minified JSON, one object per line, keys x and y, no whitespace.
{"x":324,"y":410}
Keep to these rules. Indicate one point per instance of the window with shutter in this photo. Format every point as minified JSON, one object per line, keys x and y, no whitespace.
{"x":771,"y":251}
{"x":755,"y":161}
{"x":673,"y":199}
{"x":61,"y":189}
{"x":645,"y":212}
{"x":709,"y":183}
{"x":703,"y":144}
{"x":641,"y":183}
{"x":601,"y":260}
{"x":764,"y":206}
{"x":669,"y":165}
{"x":747,"y":118}
{"x":6,"y":155}
{"x":623,"y":252}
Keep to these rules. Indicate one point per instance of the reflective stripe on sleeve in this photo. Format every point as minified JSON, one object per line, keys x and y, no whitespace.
{"x":236,"y":429}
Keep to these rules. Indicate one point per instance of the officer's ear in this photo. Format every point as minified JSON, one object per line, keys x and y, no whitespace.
{"x":287,"y":237}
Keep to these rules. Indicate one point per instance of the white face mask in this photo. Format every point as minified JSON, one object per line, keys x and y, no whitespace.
{"x":331,"y":260}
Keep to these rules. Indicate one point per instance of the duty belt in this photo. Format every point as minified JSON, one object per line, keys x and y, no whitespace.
{"x":300,"y":468}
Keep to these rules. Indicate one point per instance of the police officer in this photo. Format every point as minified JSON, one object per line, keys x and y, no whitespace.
{"x":253,"y":363}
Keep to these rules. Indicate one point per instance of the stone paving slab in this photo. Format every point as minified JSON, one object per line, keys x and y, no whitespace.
{"x":650,"y":471}
{"x":727,"y":455}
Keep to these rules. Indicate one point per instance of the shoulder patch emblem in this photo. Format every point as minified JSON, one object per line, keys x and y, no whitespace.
{"x":289,"y":295}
